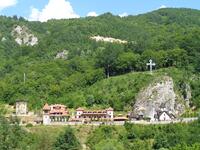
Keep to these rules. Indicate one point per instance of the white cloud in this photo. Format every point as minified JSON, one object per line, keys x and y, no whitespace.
{"x":123,"y":14}
{"x":55,"y":9}
{"x":162,"y":6}
{"x":7,"y":3}
{"x":92,"y":14}
{"x":35,"y":14}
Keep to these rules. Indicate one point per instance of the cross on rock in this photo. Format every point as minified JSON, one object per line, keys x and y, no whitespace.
{"x":151,"y":64}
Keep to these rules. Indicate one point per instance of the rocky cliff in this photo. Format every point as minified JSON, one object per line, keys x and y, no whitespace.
{"x":62,"y":55}
{"x":108,"y":39}
{"x":23,"y":36}
{"x":158,"y":95}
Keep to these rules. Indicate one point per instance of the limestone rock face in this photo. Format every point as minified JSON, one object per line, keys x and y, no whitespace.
{"x":62,"y":55}
{"x":23,"y":36}
{"x":107,"y":39}
{"x":158,"y":95}
{"x":188,"y":95}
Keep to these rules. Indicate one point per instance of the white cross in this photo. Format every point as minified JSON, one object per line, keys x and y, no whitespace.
{"x":151,"y":64}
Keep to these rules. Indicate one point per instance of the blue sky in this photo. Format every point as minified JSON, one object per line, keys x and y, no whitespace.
{"x":35,"y":9}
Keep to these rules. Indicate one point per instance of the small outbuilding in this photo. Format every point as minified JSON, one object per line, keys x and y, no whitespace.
{"x":21,"y":107}
{"x":164,"y":116}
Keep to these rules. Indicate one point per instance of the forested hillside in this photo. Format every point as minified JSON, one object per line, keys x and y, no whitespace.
{"x":171,"y":37}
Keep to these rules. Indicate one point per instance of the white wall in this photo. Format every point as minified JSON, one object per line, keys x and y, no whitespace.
{"x":46,"y":120}
{"x":164,"y":117}
{"x":21,"y":108}
{"x":110,"y":113}
{"x":78,"y":113}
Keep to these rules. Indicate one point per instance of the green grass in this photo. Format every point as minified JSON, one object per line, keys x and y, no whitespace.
{"x":121,"y":91}
{"x":45,"y":136}
{"x":191,"y":113}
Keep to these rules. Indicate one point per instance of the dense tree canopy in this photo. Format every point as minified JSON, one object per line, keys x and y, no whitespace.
{"x":67,"y":141}
{"x":168,"y":36}
{"x":144,"y":137}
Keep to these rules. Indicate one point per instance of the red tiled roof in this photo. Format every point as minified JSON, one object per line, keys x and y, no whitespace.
{"x":94,"y":111}
{"x":56,"y":109}
{"x":46,"y":107}
{"x":91,"y":114}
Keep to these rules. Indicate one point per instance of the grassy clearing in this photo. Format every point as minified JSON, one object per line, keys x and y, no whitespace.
{"x":45,"y":135}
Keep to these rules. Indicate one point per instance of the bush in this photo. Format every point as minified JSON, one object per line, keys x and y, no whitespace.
{"x":29,"y":125}
{"x":67,"y":141}
{"x":109,"y":145}
{"x":11,"y":136}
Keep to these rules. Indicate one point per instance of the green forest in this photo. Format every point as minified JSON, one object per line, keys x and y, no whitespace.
{"x":168,"y":36}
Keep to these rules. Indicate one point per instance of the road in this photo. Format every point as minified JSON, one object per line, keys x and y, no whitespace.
{"x":181,"y":120}
{"x":120,"y":123}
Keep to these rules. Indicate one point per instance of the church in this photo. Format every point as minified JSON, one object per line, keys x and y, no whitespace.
{"x":164,"y":116}
{"x":95,"y":115}
{"x":53,"y":114}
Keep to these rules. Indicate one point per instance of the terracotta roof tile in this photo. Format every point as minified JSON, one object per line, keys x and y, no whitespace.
{"x":46,"y":107}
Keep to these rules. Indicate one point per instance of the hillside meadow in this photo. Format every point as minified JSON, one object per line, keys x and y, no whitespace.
{"x":130,"y":136}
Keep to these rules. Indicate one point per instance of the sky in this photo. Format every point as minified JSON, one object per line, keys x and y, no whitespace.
{"x":43,"y":10}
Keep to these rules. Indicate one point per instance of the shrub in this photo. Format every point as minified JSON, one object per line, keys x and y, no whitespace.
{"x":29,"y":125}
{"x":67,"y":141}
